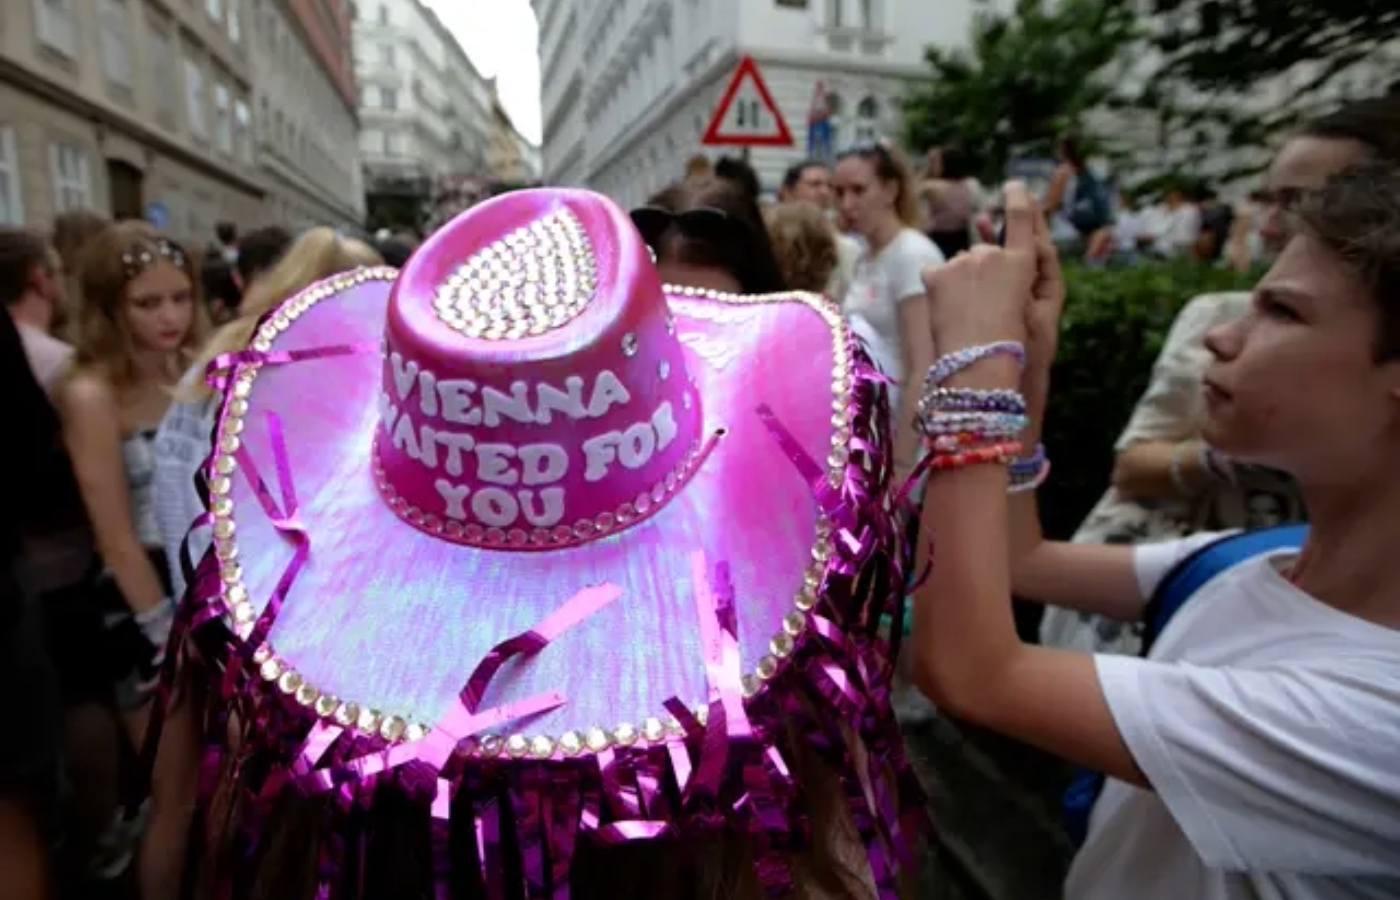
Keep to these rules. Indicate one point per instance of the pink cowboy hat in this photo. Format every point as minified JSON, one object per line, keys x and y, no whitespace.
{"x":517,"y":511}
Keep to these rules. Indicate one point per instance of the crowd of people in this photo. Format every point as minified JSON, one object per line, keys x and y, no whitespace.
{"x":1251,"y":753}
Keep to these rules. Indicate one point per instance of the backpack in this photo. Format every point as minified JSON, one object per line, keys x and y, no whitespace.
{"x":1091,"y":207}
{"x":1180,"y":584}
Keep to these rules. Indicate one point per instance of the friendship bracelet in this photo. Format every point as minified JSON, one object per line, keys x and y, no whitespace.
{"x":969,"y":399}
{"x":951,"y":364}
{"x":1034,"y":484}
{"x":1029,"y":473}
{"x":1174,"y":469}
{"x":1001,"y":454}
{"x":1218,"y":465}
{"x":991,"y":424}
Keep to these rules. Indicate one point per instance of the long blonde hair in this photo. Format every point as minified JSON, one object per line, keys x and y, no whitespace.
{"x":319,"y":253}
{"x":104,"y":271}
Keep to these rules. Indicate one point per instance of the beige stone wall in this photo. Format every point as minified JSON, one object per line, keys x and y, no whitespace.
{"x":48,"y":97}
{"x":195,"y":200}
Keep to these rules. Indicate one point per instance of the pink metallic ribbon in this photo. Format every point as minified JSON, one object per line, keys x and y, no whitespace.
{"x":222,"y":368}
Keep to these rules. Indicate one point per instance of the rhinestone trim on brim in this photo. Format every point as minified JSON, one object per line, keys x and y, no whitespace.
{"x":394,"y":727}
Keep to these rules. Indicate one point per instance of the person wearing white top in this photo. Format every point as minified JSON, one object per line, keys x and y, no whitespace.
{"x":31,"y":285}
{"x":1177,"y":226}
{"x":1256,"y":751}
{"x":875,"y":197}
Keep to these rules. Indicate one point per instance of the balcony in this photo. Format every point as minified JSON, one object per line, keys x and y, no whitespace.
{"x":857,"y":40}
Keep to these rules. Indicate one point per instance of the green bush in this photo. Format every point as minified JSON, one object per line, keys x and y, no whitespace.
{"x":1114,"y":324}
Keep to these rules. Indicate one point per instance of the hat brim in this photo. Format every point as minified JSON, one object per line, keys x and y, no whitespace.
{"x":391,"y":619}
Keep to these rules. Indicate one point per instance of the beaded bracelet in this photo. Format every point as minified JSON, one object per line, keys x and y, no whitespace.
{"x":1030,"y":472}
{"x":968,"y":399}
{"x":950,"y":364}
{"x":990,"y":424}
{"x":1034,"y":484}
{"x":1002,"y":454}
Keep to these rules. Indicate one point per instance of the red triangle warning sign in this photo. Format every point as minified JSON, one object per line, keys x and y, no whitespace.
{"x":746,"y":115}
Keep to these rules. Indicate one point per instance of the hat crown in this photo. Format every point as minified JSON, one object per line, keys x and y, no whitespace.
{"x":534,"y":392}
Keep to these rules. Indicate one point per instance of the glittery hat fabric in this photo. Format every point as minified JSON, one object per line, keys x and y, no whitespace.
{"x":517,"y":519}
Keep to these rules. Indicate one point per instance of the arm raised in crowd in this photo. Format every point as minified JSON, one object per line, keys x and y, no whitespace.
{"x":969,"y":658}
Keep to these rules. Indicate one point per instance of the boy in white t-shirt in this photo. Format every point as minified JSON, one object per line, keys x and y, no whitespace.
{"x":1256,"y":752}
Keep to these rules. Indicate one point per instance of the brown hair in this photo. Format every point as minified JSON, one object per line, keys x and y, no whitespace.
{"x":805,"y":245}
{"x":743,"y":250}
{"x":1357,"y":216}
{"x":73,"y":229}
{"x":104,"y":344}
{"x":20,"y":251}
{"x":891,"y":166}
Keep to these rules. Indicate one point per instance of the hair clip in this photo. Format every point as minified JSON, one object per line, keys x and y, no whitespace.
{"x":134,"y":262}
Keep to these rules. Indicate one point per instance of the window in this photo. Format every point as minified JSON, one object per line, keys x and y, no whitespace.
{"x":795,"y":4}
{"x":115,"y":42}
{"x":388,"y":98}
{"x":215,"y":8}
{"x":383,"y":14}
{"x":867,"y":120}
{"x":161,"y":61}
{"x":389,"y":143}
{"x":867,"y":15}
{"x":70,"y":177}
{"x":194,"y":98}
{"x":11,"y":202}
{"x":386,"y":54}
{"x":56,"y":25}
{"x":243,"y":131}
{"x":235,"y":22}
{"x":223,"y":124}
{"x":836,"y":13}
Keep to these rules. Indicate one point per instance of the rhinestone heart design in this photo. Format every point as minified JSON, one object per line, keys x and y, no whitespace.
{"x":531,"y":281}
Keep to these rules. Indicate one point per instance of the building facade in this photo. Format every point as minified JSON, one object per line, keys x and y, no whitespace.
{"x":127,"y":107}
{"x":510,"y":158}
{"x":184,"y":113}
{"x":306,"y":112}
{"x":624,"y":116}
{"x":425,"y":111}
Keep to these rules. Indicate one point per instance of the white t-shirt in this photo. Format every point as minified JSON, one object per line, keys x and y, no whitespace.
{"x":1268,"y":724}
{"x":1178,"y":229}
{"x":879,"y":283}
{"x":48,"y":356}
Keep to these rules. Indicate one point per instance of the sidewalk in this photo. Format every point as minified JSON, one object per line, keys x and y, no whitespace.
{"x":995,"y":808}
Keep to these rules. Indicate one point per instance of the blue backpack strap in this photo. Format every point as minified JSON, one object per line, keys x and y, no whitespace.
{"x":1179,"y":585}
{"x":1190,"y":575}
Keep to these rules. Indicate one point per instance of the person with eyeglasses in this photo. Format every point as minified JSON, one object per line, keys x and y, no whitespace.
{"x":1166,"y":481}
{"x":875,"y":196}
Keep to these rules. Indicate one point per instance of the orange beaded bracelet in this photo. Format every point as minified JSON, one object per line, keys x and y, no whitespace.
{"x":1001,"y":454}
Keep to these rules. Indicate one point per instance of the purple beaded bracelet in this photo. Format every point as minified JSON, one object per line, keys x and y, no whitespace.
{"x":950,"y":364}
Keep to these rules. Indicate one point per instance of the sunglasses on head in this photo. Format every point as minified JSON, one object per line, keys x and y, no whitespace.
{"x":702,"y":223}
{"x":867,"y":150}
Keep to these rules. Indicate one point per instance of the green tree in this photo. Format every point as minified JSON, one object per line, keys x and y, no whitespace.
{"x":1026,"y":78}
{"x":1232,"y":74}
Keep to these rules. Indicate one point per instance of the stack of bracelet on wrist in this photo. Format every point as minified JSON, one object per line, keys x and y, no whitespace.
{"x":970,"y":426}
